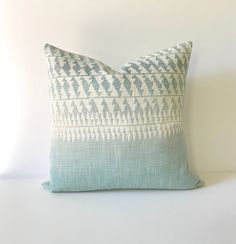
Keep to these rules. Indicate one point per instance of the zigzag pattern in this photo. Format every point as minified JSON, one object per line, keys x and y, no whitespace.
{"x":113,"y":111}
{"x":118,"y":85}
{"x":63,"y":64}
{"x":117,"y":132}
{"x":90,"y":101}
{"x":172,"y":60}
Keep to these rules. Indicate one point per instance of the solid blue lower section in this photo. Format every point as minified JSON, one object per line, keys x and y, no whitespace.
{"x":114,"y":164}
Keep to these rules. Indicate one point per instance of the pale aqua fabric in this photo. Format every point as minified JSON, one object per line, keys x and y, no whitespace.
{"x":118,"y":130}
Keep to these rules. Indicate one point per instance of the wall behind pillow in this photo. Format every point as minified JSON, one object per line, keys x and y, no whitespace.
{"x":115,"y":32}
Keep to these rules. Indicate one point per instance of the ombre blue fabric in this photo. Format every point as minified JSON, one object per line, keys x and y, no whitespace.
{"x":118,"y":130}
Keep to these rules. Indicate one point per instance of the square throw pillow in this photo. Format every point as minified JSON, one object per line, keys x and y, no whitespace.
{"x":118,"y":129}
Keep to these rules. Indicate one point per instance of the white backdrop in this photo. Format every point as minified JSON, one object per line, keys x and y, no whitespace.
{"x":114,"y":32}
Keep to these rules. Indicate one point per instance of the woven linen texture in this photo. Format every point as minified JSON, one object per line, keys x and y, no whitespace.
{"x":118,"y":129}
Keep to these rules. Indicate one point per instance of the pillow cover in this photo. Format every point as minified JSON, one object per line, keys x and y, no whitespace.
{"x":118,"y":129}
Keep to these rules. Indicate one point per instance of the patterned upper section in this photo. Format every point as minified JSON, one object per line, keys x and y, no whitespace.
{"x":92,"y":101}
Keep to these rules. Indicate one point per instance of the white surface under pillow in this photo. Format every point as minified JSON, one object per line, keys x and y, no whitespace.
{"x":30,"y":215}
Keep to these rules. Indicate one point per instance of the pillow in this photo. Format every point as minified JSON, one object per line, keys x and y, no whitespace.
{"x":118,"y":129}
